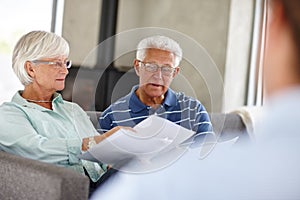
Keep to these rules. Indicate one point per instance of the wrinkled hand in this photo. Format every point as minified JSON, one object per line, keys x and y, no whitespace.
{"x":99,"y":138}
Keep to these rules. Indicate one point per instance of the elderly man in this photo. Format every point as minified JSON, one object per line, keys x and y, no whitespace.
{"x":156,"y":64}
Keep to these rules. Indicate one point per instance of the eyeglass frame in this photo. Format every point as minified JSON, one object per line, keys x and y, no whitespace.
{"x":158,"y":67}
{"x":57,"y":63}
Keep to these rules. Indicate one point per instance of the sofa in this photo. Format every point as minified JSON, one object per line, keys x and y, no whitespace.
{"x":23,"y":178}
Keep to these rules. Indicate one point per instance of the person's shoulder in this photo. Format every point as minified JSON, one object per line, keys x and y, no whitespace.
{"x":13,"y":104}
{"x":121,"y":103}
{"x":188,"y":101}
{"x":72,"y":106}
{"x":183,"y":97}
{"x":10,"y":109}
{"x":9,"y":106}
{"x":123,"y":99}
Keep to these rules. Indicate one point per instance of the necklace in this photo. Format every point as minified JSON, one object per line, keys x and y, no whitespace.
{"x":38,"y":101}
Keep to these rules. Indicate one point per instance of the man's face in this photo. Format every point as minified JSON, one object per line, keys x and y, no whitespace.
{"x":156,"y":83}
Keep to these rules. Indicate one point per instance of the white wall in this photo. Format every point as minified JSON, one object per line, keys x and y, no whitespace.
{"x":18,"y":18}
{"x":238,"y":54}
{"x":81,"y":25}
{"x":222,"y":27}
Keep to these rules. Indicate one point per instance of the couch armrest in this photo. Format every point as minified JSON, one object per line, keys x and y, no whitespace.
{"x":229,"y":126}
{"x":23,"y":178}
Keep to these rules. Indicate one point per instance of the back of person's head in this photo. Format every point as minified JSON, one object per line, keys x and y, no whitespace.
{"x":162,"y":43}
{"x":36,"y":45}
{"x":292,"y":13}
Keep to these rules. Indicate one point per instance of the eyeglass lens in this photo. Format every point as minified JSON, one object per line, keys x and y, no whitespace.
{"x":151,"y":67}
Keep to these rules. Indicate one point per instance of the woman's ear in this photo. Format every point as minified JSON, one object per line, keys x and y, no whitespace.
{"x":29,"y":68}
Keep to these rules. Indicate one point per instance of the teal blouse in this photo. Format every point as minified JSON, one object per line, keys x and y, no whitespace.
{"x":52,"y":136}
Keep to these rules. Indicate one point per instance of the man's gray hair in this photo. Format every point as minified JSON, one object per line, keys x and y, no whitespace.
{"x":162,"y":43}
{"x":36,"y":45}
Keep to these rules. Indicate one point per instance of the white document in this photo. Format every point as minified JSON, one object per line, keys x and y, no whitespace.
{"x":153,"y":137}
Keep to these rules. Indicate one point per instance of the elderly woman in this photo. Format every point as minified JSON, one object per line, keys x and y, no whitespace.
{"x":38,"y":123}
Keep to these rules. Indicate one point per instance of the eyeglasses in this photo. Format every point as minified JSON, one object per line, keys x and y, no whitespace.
{"x":152,"y":67}
{"x":58,"y":64}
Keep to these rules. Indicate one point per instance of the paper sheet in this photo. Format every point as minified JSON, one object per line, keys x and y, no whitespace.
{"x":153,"y":137}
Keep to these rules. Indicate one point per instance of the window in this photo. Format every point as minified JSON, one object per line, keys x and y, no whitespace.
{"x":255,"y":87}
{"x":19,"y":17}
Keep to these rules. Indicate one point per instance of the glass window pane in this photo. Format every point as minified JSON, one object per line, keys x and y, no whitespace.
{"x":17,"y":18}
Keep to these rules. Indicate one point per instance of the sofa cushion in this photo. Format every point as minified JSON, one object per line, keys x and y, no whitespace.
{"x":23,"y":178}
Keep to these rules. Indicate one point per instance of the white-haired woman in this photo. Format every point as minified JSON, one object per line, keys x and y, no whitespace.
{"x":38,"y":123}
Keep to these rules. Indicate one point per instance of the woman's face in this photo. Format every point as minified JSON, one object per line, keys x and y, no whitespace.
{"x":50,"y":76}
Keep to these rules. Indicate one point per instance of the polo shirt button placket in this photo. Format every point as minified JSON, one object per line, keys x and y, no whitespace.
{"x":151,"y":110}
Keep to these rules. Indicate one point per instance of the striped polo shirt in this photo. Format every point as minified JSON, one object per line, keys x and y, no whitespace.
{"x":177,"y":107}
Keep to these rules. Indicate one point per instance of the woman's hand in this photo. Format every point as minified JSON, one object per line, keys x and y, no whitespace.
{"x":88,"y":142}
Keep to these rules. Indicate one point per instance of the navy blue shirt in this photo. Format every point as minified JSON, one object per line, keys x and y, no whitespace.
{"x":178,"y":108}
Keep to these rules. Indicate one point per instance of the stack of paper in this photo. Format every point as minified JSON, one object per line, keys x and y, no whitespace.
{"x":155,"y":143}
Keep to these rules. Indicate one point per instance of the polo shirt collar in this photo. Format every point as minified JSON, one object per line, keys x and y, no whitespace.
{"x":134,"y":102}
{"x":136,"y":105}
{"x":170,"y":99}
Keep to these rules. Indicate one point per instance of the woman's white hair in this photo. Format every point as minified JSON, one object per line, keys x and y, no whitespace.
{"x":162,"y":43}
{"x":36,"y":45}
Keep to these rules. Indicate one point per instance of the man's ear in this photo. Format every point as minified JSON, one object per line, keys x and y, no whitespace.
{"x":136,"y":65}
{"x":29,"y":69}
{"x":176,"y":71}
